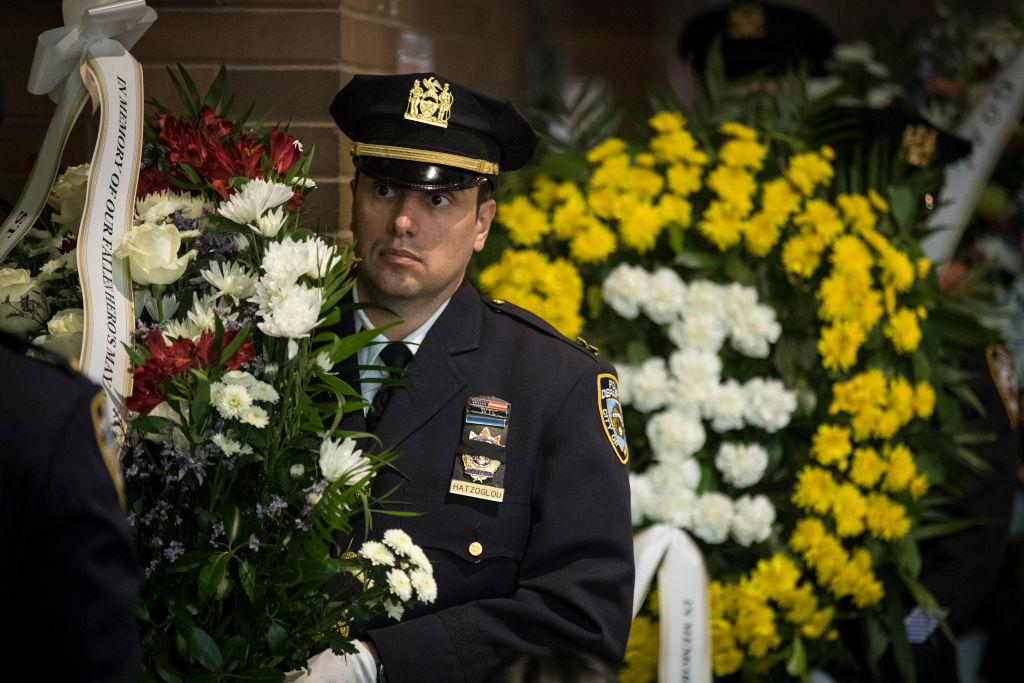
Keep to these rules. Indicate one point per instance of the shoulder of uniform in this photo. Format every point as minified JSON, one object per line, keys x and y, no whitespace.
{"x":538,"y":324}
{"x":37,"y":359}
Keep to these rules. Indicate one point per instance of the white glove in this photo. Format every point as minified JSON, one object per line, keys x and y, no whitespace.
{"x":328,"y":667}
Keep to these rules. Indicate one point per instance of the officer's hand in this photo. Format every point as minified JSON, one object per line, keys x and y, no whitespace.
{"x":328,"y":667}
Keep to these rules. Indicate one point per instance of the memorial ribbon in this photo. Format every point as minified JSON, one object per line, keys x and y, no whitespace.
{"x":116,"y":82}
{"x":988,"y":127}
{"x":684,"y":654}
{"x":92,"y":27}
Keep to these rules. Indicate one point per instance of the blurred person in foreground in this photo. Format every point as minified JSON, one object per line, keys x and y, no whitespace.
{"x":69,"y":568}
{"x":509,"y":435}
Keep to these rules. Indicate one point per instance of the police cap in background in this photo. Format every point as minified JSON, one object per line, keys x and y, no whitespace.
{"x":757,"y":36}
{"x":907,"y":135}
{"x":425,"y":132}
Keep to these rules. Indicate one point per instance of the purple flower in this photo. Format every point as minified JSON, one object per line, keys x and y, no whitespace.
{"x":254,"y":543}
{"x":174,"y":550}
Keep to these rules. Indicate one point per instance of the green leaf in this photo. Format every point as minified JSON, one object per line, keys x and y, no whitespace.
{"x":234,"y":651}
{"x":211,"y":576}
{"x":204,"y":650}
{"x":230,"y":349}
{"x":213,"y":95}
{"x":276,"y":637}
{"x":247,"y":577}
{"x":796,"y":665}
{"x":900,"y":647}
{"x":907,"y":555}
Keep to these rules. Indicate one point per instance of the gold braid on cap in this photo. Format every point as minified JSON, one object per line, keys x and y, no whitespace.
{"x":361,"y":149}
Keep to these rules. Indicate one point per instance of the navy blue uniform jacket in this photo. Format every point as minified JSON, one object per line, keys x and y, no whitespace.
{"x":555,"y":562}
{"x":68,"y":570}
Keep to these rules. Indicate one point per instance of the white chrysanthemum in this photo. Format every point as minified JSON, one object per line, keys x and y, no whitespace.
{"x":270,"y":224}
{"x":231,"y":279}
{"x":700,"y":330}
{"x":284,"y":262}
{"x":703,"y":297}
{"x":624,"y":289}
{"x":342,"y":460}
{"x":321,"y":255}
{"x":752,"y":519}
{"x":242,"y":377}
{"x":254,"y":199}
{"x":227,"y":445}
{"x":157,"y":206}
{"x":666,"y":294}
{"x":769,"y":404}
{"x":323,"y":361}
{"x":712,"y":517}
{"x":203,"y":314}
{"x":648,"y":385}
{"x":256,"y":416}
{"x":398,"y":540}
{"x":263,"y":392}
{"x":180,"y":328}
{"x":400,"y":585}
{"x":394,"y":610}
{"x":726,"y":406}
{"x":752,"y":333}
{"x":741,"y":465}
{"x":377,"y":554}
{"x":425,"y":585}
{"x":291,"y":311}
{"x":675,"y":433}
{"x":420,"y":559}
{"x":299,"y":181}
{"x":230,"y":400}
{"x":695,"y":377}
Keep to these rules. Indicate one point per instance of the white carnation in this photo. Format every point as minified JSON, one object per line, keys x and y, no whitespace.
{"x":769,"y":404}
{"x":648,"y":384}
{"x":712,"y":517}
{"x":737,"y":300}
{"x":676,"y":508}
{"x":752,"y":519}
{"x":675,"y":433}
{"x":641,"y":497}
{"x":666,"y":294}
{"x":704,"y":297}
{"x":624,"y":289}
{"x":741,"y":465}
{"x":701,"y":330}
{"x":726,"y":406}
{"x":753,"y":332}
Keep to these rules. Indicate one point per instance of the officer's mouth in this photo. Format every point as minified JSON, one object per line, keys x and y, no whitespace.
{"x":399,"y":256}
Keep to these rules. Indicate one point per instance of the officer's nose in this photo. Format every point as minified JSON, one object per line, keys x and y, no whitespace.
{"x":404,"y":221}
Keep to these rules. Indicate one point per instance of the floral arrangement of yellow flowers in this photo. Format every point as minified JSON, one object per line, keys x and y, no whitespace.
{"x":811,"y":522}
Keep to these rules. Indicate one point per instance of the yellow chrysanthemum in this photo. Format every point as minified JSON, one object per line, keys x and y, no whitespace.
{"x":545,"y":192}
{"x":525,"y":223}
{"x":901,"y":399}
{"x":851,"y":255}
{"x":675,"y":209}
{"x":888,"y":519}
{"x":900,"y":470}
{"x":644,"y":159}
{"x":924,"y":399}
{"x":807,"y":171}
{"x":857,"y":211}
{"x":677,"y":147}
{"x":761,"y":233}
{"x":863,"y":390}
{"x":722,"y":225}
{"x":570,"y":215}
{"x":830,"y":445}
{"x":777,"y":576}
{"x":640,"y":229}
{"x":897,"y":269}
{"x":733,"y":186}
{"x":747,"y":154}
{"x":923,"y":266}
{"x":551,"y":289}
{"x":807,"y":533}
{"x":779,"y":200}
{"x":903,"y":330}
{"x":801,"y":254}
{"x":641,"y":661}
{"x":612,"y":147}
{"x":814,"y":489}
{"x":821,"y":218}
{"x":919,"y":486}
{"x":844,"y":294}
{"x":839,"y":345}
{"x":866,"y":467}
{"x":818,"y":622}
{"x":848,"y":510}
{"x":684,"y":179}
{"x":667,"y":121}
{"x":877,"y":201}
{"x":738,"y":130}
{"x":799,"y":603}
{"x":593,"y":244}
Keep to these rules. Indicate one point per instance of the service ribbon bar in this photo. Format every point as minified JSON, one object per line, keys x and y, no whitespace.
{"x":116,"y":84}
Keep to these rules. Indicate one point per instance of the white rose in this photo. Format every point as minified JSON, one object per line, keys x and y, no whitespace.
{"x":152,"y":252}
{"x":67,"y":197}
{"x":65,"y":333}
{"x":16,"y":287}
{"x":752,"y":519}
{"x":741,"y":465}
{"x":712,"y":517}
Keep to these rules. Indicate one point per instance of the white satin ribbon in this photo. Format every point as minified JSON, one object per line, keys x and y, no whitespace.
{"x":92,"y":28}
{"x":988,"y":127}
{"x":684,"y":654}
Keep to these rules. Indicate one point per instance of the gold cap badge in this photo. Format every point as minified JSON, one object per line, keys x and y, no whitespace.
{"x":918,"y":145}
{"x":430,"y":103}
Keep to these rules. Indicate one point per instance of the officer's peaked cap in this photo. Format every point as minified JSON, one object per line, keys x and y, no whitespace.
{"x":425,"y":132}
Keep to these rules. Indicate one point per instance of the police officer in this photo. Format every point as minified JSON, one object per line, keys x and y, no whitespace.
{"x":506,"y":431}
{"x":69,"y":571}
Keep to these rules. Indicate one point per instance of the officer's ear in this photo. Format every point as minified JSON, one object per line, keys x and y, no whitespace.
{"x":484,"y":215}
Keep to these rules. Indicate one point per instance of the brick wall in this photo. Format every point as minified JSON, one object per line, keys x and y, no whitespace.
{"x":287,"y":57}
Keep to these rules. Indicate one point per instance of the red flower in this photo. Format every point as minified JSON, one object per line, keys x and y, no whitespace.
{"x":247,"y":156}
{"x":151,"y":180}
{"x":295,"y":202}
{"x":211,"y":124}
{"x":283,"y":151}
